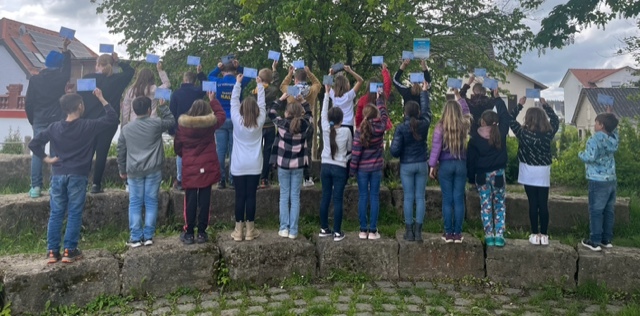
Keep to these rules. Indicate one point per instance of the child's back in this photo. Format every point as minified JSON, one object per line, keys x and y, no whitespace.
{"x":598,"y":156}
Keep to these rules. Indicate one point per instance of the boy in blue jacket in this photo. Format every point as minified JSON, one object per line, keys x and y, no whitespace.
{"x":600,"y":164}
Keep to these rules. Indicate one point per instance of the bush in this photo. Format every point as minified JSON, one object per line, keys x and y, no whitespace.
{"x":13,"y":144}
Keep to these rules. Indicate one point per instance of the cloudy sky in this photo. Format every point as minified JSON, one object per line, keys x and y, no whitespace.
{"x":593,"y":48}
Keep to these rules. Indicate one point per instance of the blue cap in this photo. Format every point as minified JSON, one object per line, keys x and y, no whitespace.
{"x":54,"y":59}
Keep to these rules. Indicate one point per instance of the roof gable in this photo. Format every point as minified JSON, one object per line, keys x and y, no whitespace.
{"x":624,"y":103}
{"x":590,"y":77}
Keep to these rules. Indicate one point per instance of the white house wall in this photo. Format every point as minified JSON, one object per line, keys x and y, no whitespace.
{"x":11,"y":72}
{"x":585,"y":118}
{"x":572,"y":89}
{"x":624,"y":76}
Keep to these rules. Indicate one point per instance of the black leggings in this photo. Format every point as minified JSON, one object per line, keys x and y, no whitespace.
{"x":103,"y":143}
{"x":538,"y":206}
{"x":194,"y":198}
{"x":246,"y":187}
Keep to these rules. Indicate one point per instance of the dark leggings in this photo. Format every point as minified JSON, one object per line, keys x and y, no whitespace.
{"x":246,"y":187}
{"x":194,"y":198}
{"x":268,"y":137}
{"x":538,"y":207}
{"x":103,"y":143}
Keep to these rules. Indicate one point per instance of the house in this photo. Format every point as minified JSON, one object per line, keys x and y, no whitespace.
{"x":575,"y":80}
{"x":625,"y":105}
{"x":558,"y":107}
{"x":23,"y":48}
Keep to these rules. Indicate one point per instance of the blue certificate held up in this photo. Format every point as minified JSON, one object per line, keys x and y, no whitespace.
{"x":605,"y":100}
{"x":490,"y":84}
{"x":106,"y":48}
{"x":407,"y":55}
{"x":376,"y":87}
{"x":164,"y":94}
{"x":293,"y":91}
{"x":327,"y":80}
{"x":86,"y":84}
{"x":67,"y":33}
{"x":298,"y":64}
{"x":421,"y":48}
{"x":209,"y":86}
{"x":193,"y":61}
{"x":454,"y":83}
{"x":377,"y":60}
{"x":227,"y":59}
{"x":416,"y":77}
{"x":480,"y":72}
{"x":273,"y":55}
{"x":532,"y":93}
{"x":152,"y":59}
{"x":250,"y":72}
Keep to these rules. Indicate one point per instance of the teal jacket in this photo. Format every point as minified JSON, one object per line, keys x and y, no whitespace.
{"x":598,"y":156}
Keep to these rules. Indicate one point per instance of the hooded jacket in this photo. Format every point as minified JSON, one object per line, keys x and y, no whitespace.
{"x":598,"y":158}
{"x":183,"y":98}
{"x":42,"y":103}
{"x":404,"y":145}
{"x":482,"y":157}
{"x":224,"y":87}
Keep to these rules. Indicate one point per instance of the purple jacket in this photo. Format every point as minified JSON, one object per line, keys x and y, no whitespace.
{"x":437,"y":152}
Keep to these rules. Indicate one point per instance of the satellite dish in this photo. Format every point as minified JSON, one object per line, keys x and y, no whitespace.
{"x":23,"y":30}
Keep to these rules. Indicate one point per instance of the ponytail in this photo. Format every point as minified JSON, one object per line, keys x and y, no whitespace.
{"x":412,"y":110}
{"x":294,"y":111}
{"x":491,"y":119}
{"x":335,"y":118}
{"x":369,"y":112}
{"x":332,"y":141}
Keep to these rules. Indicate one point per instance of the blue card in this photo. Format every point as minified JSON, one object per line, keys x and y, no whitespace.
{"x":327,"y":80}
{"x":421,"y":48}
{"x":250,"y":72}
{"x":605,"y":99}
{"x":153,"y":59}
{"x":454,"y":83}
{"x":533,"y":93}
{"x":490,"y":84}
{"x":106,"y":48}
{"x":67,"y":33}
{"x":407,"y":55}
{"x":86,"y":84}
{"x":377,"y":60}
{"x":193,"y":61}
{"x":209,"y":86}
{"x":293,"y":91}
{"x":273,"y":55}
{"x":376,"y":87}
{"x":298,"y":64}
{"x":338,"y":67}
{"x":416,"y":77}
{"x":480,"y":72}
{"x":162,"y":93}
{"x":228,"y":59}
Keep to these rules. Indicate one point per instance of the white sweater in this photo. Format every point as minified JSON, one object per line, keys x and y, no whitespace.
{"x":343,"y":139}
{"x":246,"y":156}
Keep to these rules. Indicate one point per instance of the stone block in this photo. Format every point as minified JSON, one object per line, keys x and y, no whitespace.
{"x":169,"y":265}
{"x":375,"y":258}
{"x":520,"y":264}
{"x":617,"y":267}
{"x":29,"y":282}
{"x":433,"y":258}
{"x":267,"y":259}
{"x":19,"y":213}
{"x":433,"y":202}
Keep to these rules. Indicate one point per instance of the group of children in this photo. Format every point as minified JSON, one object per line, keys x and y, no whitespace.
{"x":264,"y":130}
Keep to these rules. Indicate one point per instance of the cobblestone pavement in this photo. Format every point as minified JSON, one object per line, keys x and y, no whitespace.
{"x":376,"y":298}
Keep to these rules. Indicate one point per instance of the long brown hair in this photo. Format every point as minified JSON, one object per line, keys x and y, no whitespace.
{"x":416,"y":88}
{"x":106,"y":62}
{"x":249,"y":111}
{"x":143,"y":81}
{"x":371,"y":96}
{"x":294,"y":113}
{"x":412,"y":111}
{"x":200,"y":108}
{"x":491,"y":119}
{"x":536,"y":121}
{"x":341,"y":85}
{"x":335,"y":116}
{"x":455,"y":128}
{"x":369,"y":112}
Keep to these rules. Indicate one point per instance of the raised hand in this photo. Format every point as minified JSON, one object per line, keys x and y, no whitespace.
{"x":423,"y":64}
{"x":159,"y":66}
{"x":472,"y":78}
{"x":327,"y":88}
{"x":522,"y":100}
{"x":348,"y":69}
{"x":65,"y":44}
{"x":291,"y":69}
{"x":284,"y":96}
{"x":456,"y":93}
{"x":259,"y":80}
{"x":211,"y":95}
{"x":199,"y":69}
{"x":236,"y":63}
{"x":496,"y":93}
{"x":405,"y":63}
{"x":543,"y":101}
{"x":274,"y":65}
{"x":425,"y":85}
{"x":114,"y":55}
{"x":384,"y":66}
{"x":239,"y":77}
{"x":219,"y":65}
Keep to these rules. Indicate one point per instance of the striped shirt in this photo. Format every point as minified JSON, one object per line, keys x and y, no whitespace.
{"x":534,"y":148}
{"x":369,"y":159}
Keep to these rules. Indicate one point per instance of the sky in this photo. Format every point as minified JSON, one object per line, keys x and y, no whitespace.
{"x":593,"y":48}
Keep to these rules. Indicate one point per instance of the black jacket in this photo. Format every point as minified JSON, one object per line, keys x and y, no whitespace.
{"x":481,"y":157}
{"x":406,"y":91}
{"x":42,"y":102}
{"x":404,"y":145}
{"x":112,"y":89}
{"x":182,"y":99}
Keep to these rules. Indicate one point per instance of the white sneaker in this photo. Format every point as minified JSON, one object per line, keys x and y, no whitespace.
{"x":126,"y":188}
{"x":374,"y":236}
{"x":134,"y":244}
{"x":284,"y":233}
{"x":308,"y":183}
{"x":544,"y":240}
{"x":148,"y":242}
{"x":293,"y":236}
{"x":362,"y":235}
{"x":534,"y":239}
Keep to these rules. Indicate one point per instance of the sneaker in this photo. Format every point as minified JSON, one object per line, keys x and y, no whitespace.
{"x":34,"y":192}
{"x":283,"y":233}
{"x":264,"y":183}
{"x":362,"y":235}
{"x":70,"y":256}
{"x":148,"y":242}
{"x":544,"y":240}
{"x":126,"y":188}
{"x":338,"y":236}
{"x":534,"y":239}
{"x":134,"y":244}
{"x":591,"y":245}
{"x":499,"y":241}
{"x":325,"y":232}
{"x":374,"y":236}
{"x":606,"y":244}
{"x":489,"y":241}
{"x":292,"y":236}
{"x":187,"y":239}
{"x":447,"y":237}
{"x":308,"y":183}
{"x":202,"y":238}
{"x":222,"y":185}
{"x":96,"y":188}
{"x":457,"y":238}
{"x":177,"y":185}
{"x":53,"y":257}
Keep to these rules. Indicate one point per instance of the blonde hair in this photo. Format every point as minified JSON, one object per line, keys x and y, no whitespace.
{"x":455,"y":128}
{"x":106,"y":62}
{"x":369,"y":112}
{"x":249,"y":111}
{"x":294,"y":113}
{"x":536,"y":121}
{"x":341,"y":86}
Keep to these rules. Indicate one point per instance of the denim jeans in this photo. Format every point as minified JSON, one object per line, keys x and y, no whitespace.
{"x":179,"y":168}
{"x":452,"y":175}
{"x":290,"y":183}
{"x":334,"y":179}
{"x":143,"y":192}
{"x":36,"y":162}
{"x":414,"y":184}
{"x":492,"y":191}
{"x":602,"y":200}
{"x":369,"y":189}
{"x":224,"y":145}
{"x":67,"y":193}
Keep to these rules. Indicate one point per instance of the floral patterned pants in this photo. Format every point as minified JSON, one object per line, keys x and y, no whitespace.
{"x":491,"y":188}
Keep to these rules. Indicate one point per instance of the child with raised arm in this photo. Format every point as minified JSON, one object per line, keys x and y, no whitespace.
{"x":246,"y":157}
{"x":410,"y":145}
{"x":289,"y":155}
{"x":270,"y":80}
{"x":534,"y":154}
{"x":367,"y":162}
{"x":143,"y":86}
{"x":410,"y":93}
{"x":478,"y":102}
{"x":600,"y":163}
{"x":74,"y":138}
{"x":487,"y":159}
{"x":343,"y":95}
{"x":370,"y":97}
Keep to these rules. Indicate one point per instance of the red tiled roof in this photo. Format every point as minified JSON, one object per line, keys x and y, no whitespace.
{"x":589,"y":77}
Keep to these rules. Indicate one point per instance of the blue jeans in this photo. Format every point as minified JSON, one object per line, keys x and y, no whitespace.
{"x":36,"y":162}
{"x":369,"y":189}
{"x":290,"y":183}
{"x":414,"y":184}
{"x":143,"y":191}
{"x":224,"y":145}
{"x":67,"y":193}
{"x":602,"y":199}
{"x":179,"y":168}
{"x":452,"y":175}
{"x":334,"y":179}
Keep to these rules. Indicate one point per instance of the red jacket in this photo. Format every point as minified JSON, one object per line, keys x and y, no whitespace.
{"x":364,"y":100}
{"x":195,"y":142}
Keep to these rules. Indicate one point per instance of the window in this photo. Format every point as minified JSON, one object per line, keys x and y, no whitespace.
{"x":40,"y":57}
{"x":512,"y":101}
{"x":616,"y":84}
{"x":580,"y":133}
